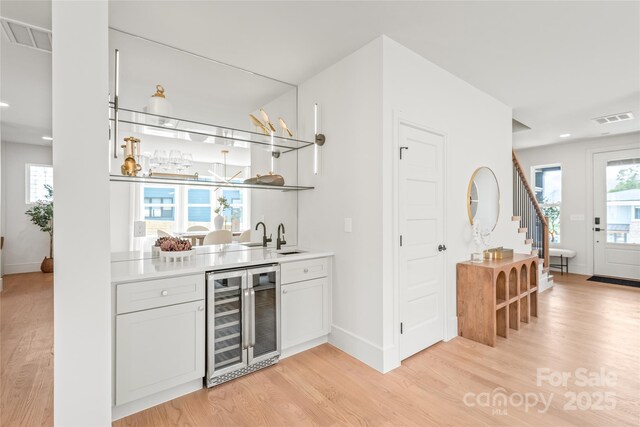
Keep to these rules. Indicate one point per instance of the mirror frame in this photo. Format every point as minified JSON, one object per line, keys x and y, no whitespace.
{"x":470,"y":186}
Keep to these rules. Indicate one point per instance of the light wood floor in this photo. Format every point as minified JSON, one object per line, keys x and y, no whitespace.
{"x":26,"y":350}
{"x":581,"y":325}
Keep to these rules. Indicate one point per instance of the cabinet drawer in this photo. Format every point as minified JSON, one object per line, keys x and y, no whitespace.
{"x":158,"y":293}
{"x":298,"y":271}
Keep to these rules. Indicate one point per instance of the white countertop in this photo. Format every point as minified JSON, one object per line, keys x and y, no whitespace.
{"x":135,"y":266}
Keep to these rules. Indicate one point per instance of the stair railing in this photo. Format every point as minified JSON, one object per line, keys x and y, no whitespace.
{"x":531,"y":216}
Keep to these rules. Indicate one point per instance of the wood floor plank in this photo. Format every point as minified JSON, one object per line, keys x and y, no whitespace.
{"x":581,"y":324}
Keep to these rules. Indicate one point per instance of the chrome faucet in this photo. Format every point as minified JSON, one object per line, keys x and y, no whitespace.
{"x":265,"y":240}
{"x":280,"y":241}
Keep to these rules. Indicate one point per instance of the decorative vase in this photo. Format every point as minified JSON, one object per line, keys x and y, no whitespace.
{"x":218,"y":222}
{"x":47,"y":265}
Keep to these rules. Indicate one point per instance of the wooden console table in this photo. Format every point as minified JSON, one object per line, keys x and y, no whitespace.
{"x":496,"y":295}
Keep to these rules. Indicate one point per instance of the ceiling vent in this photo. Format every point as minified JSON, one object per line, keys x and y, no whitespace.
{"x":614,"y":118}
{"x":26,"y":35}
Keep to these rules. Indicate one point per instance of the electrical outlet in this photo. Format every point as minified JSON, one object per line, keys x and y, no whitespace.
{"x":139,"y":229}
{"x":348,"y":225}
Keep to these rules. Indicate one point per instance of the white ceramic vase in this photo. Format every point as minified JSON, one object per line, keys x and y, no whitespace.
{"x":218,"y":222}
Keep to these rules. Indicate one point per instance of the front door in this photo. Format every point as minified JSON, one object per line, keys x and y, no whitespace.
{"x":421,"y":216}
{"x":616,"y":222}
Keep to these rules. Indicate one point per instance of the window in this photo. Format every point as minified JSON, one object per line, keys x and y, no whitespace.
{"x":174,"y":209}
{"x":623,"y":201}
{"x":37,"y":177}
{"x":548,"y":191}
{"x":234,"y":216}
{"x":199,"y":207}
{"x":160,"y":209}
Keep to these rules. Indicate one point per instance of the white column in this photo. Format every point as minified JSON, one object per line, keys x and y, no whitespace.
{"x":82,"y":298}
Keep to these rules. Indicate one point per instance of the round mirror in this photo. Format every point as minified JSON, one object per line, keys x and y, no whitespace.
{"x":483,"y":199}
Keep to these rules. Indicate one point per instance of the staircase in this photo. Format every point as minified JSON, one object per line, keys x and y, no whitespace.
{"x":532,"y":223}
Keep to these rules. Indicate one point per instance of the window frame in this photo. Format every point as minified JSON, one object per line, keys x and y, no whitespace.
{"x":556,"y":204}
{"x":27,"y":181}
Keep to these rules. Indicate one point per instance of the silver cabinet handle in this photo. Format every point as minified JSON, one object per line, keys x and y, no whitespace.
{"x":306,"y":270}
{"x":253,"y":318}
{"x":201,"y":308}
{"x":164,"y":293}
{"x":245,"y":320}
{"x":284,"y":291}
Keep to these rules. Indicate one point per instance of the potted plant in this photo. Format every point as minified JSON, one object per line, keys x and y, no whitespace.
{"x":218,"y":220}
{"x":41,"y":214}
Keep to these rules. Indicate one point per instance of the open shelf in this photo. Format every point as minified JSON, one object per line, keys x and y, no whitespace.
{"x":134,"y":121}
{"x":203,"y":182}
{"x":513,"y":283}
{"x":509,"y":285}
{"x":524,"y":309}
{"x":501,"y":289}
{"x":524,"y":282}
{"x":502,"y":322}
{"x":514,"y":315}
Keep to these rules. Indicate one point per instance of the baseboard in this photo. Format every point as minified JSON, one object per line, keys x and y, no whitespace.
{"x":452,"y":328}
{"x":288,"y":352}
{"x":122,"y":411}
{"x":358,"y":347}
{"x":28,"y":267}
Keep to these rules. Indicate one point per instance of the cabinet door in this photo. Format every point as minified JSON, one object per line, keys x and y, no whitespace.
{"x":158,"y":349}
{"x":305,"y":311}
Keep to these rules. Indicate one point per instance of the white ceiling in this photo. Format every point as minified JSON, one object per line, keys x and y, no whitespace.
{"x":557,"y":64}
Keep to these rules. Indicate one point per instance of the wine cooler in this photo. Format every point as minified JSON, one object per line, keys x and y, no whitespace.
{"x":243,"y":322}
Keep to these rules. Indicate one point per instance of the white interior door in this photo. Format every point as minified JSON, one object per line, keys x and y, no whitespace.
{"x":616,"y":222}
{"x":421,"y":216}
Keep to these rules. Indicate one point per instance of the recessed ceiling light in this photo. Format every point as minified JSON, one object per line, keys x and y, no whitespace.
{"x":565,"y":135}
{"x":47,"y":138}
{"x":3,"y":104}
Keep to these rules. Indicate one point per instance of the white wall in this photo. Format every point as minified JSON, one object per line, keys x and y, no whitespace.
{"x":24,"y":244}
{"x":349,"y":96}
{"x":360,"y":98}
{"x":477,"y":131}
{"x":82,"y":290}
{"x":576,"y":161}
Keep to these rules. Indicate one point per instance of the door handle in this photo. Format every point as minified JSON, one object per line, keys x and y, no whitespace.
{"x":442,"y":248}
{"x":252,"y":293}
{"x":402,"y":148}
{"x":597,"y":229}
{"x":245,"y":320}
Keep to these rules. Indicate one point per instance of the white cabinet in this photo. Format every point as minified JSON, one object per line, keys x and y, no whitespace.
{"x":158,"y":349}
{"x":305,"y":304}
{"x":162,"y":347}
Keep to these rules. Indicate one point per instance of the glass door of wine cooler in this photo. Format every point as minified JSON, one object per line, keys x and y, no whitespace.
{"x":227,"y":312}
{"x":264,"y":293}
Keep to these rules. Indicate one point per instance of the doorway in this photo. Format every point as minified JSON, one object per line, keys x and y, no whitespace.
{"x":421,"y":225}
{"x":616,"y":208}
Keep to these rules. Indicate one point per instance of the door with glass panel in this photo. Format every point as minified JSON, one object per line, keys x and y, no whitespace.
{"x":616,"y":221}
{"x":227,"y":298}
{"x":264,"y":319}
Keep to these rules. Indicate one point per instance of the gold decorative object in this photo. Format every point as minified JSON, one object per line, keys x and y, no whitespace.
{"x":265,"y":117}
{"x":271,"y":179}
{"x":498,"y":253}
{"x":159,"y":91}
{"x":131,"y":148}
{"x":285,"y":128}
{"x":257,"y":123}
